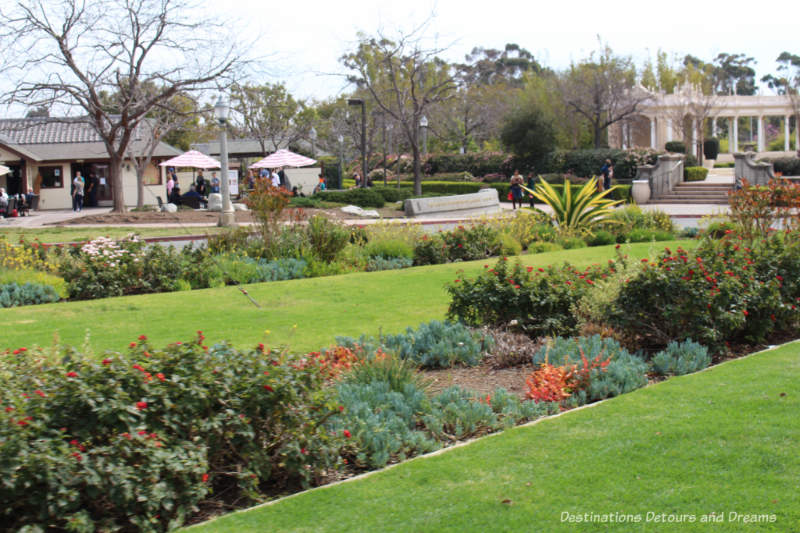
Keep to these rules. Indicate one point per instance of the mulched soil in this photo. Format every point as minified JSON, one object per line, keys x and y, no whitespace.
{"x":205,"y":217}
{"x":483,"y":379}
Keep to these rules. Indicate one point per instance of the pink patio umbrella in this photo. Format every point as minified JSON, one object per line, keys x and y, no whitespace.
{"x":284,"y":158}
{"x":192,"y":158}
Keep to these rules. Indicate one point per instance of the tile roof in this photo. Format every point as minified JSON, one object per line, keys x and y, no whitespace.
{"x":48,"y":130}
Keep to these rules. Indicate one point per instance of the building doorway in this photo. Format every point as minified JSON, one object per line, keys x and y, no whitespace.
{"x":105,"y":195}
{"x":14,"y":181}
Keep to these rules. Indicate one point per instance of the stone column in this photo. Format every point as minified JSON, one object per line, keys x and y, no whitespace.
{"x":624,"y":135}
{"x":797,"y":133}
{"x":786,"y":133}
{"x":694,"y":137}
{"x":714,"y":127}
{"x":653,"y":133}
{"x":734,"y":142}
{"x":669,"y":129}
{"x":761,"y":146}
{"x":730,"y":135}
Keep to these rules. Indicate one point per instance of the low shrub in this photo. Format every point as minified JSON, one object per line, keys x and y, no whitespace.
{"x":571,"y":243}
{"x":467,"y":243}
{"x":389,"y":249}
{"x":21,"y":277}
{"x":360,"y":197}
{"x":676,"y":147}
{"x":511,"y":348}
{"x":394,"y":194}
{"x":719,"y":228}
{"x":377,"y":263}
{"x":508,"y":245}
{"x":725,"y":165}
{"x":138,"y":441}
{"x":544,"y":247}
{"x":711,"y":148}
{"x":631,"y":217}
{"x":695,"y":173}
{"x":535,"y":302}
{"x":280,"y":269}
{"x":432,"y":345}
{"x":601,"y":238}
{"x":647,"y":235}
{"x":787,"y":166}
{"x":680,"y":358}
{"x":16,"y":295}
{"x":326,"y":237}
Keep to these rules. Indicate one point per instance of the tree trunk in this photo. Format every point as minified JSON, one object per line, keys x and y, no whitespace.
{"x":139,"y":187}
{"x":116,"y":185}
{"x":598,"y":136}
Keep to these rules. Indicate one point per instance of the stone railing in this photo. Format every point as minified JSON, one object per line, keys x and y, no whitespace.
{"x":655,"y":181}
{"x":745,"y":168}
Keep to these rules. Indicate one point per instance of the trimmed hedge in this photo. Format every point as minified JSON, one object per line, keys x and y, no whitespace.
{"x":677,"y":147}
{"x":711,"y":148}
{"x":788,"y":166}
{"x":695,"y":173}
{"x":360,"y":197}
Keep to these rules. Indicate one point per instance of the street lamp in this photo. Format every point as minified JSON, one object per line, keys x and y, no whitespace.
{"x":341,"y":161}
{"x":423,"y":123}
{"x":226,"y":217}
{"x":313,"y":136}
{"x":360,"y":101}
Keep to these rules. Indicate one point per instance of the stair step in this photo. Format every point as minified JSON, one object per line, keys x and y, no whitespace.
{"x":689,"y":201}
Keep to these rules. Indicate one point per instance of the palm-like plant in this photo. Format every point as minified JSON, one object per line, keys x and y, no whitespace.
{"x":576,"y":210}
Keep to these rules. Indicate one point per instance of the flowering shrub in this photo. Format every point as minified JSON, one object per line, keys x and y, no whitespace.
{"x":727,"y":290}
{"x":103,"y":268}
{"x":757,"y":209}
{"x":469,"y":243}
{"x":137,"y":441}
{"x":30,"y":256}
{"x":536,"y":301}
{"x":549,"y":383}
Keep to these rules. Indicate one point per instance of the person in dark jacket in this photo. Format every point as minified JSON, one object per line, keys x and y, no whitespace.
{"x":608,"y":173}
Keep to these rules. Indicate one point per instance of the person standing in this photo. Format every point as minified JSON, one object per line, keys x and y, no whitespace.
{"x":77,"y":192}
{"x":214,"y":183}
{"x":91,"y":189}
{"x":531,"y":185}
{"x":608,"y":173}
{"x":516,"y":190}
{"x":276,"y":180}
{"x":170,"y":186}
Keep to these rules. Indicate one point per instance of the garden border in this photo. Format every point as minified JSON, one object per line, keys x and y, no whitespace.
{"x":769,"y":348}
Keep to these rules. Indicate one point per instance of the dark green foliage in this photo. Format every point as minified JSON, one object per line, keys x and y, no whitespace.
{"x":601,"y":238}
{"x":680,"y":358}
{"x":695,"y":173}
{"x":394,"y":194}
{"x":430,"y":250}
{"x":15,"y":295}
{"x":535,"y":302}
{"x":137,"y":441}
{"x":788,"y":166}
{"x":675,"y":147}
{"x":360,"y":197}
{"x":689,"y":161}
{"x":720,"y":228}
{"x":711,"y":148}
{"x":529,"y":134}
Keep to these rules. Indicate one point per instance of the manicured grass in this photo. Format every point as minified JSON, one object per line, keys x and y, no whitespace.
{"x":320,"y":308}
{"x":721,"y":441}
{"x":80,"y":234}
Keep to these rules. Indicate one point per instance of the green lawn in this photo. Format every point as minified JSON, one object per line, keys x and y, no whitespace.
{"x":320,"y":308}
{"x":722,"y":441}
{"x":79,"y":234}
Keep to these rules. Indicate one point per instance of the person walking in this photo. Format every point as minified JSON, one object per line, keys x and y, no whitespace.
{"x":608,"y":173}
{"x":77,"y":192}
{"x":516,"y":190}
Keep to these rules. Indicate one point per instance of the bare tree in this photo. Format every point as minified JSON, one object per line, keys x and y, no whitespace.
{"x":691,"y":108}
{"x":271,"y":115}
{"x":70,"y":54}
{"x":404,"y":80}
{"x":602,"y":90}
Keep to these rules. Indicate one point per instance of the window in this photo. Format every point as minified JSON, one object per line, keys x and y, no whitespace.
{"x":52,"y":177}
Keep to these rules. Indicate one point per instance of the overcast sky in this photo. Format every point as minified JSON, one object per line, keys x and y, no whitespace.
{"x":304,"y":39}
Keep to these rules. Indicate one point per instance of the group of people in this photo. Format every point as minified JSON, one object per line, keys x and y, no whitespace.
{"x":22,"y":205}
{"x":84,"y":191}
{"x":517,"y":194}
{"x":200,"y":189}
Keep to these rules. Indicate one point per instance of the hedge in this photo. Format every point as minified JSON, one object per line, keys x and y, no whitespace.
{"x":788,"y":166}
{"x":695,"y":173}
{"x":677,"y":147}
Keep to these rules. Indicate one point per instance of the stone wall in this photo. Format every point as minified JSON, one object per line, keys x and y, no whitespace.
{"x":484,"y":202}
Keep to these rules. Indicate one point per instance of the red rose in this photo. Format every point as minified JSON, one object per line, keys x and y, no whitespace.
{"x":160,"y":376}
{"x":205,"y":478}
{"x":268,"y":388}
{"x":40,"y":393}
{"x":106,"y":361}
{"x":141,"y":433}
{"x":346,"y":433}
{"x":72,"y":374}
{"x":142,"y":338}
{"x":141,"y":406}
{"x":133,"y":345}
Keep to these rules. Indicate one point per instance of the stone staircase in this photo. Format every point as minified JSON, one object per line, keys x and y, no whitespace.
{"x":697,"y":193}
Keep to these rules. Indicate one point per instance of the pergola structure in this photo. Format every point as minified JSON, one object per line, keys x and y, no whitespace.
{"x":679,"y":117}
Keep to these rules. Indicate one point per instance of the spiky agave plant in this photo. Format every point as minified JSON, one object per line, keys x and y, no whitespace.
{"x":576,"y":210}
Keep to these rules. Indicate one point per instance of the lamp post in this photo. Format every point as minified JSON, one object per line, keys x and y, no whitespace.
{"x":360,"y":101}
{"x":313,"y":136}
{"x":423,"y":123}
{"x":341,"y":161}
{"x":226,"y":217}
